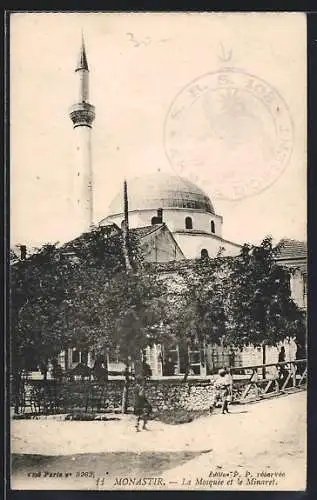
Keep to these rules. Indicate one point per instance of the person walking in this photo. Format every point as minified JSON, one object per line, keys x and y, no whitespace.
{"x":142,"y":407}
{"x":283,"y":372}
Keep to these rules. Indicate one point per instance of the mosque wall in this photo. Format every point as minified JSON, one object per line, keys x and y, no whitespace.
{"x":192,"y":245}
{"x":174,"y":218}
{"x":137,"y":218}
{"x":160,"y":247}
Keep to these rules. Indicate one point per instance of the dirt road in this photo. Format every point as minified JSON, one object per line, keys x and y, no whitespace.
{"x":261,"y":445}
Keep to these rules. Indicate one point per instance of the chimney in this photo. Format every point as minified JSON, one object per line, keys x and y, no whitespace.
{"x":160,"y":215}
{"x":22,"y":252}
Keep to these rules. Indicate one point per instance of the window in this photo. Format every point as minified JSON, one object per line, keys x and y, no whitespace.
{"x":188,"y":223}
{"x":122,"y":224}
{"x":84,"y":357}
{"x":75,"y":356}
{"x":204,"y":253}
{"x":212,"y":226}
{"x":171,"y":361}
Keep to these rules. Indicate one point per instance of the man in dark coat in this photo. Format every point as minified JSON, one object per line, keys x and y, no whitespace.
{"x":283,"y":372}
{"x":142,"y":407}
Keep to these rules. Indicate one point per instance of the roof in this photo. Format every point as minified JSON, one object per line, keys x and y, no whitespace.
{"x":161,"y":190}
{"x":194,"y":232}
{"x":181,"y":265}
{"x":107,"y":229}
{"x":292,"y":249}
{"x":141,"y":232}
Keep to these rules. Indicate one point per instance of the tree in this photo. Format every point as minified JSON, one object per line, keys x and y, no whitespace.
{"x":57,"y":296}
{"x":81,"y":296}
{"x":196,"y":306}
{"x":135,"y":303}
{"x":262,"y":311}
{"x":233,"y":300}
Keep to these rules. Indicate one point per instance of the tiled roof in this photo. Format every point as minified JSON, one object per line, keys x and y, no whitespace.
{"x":109,"y":230}
{"x":140,"y":232}
{"x":292,"y":249}
{"x":181,"y":265}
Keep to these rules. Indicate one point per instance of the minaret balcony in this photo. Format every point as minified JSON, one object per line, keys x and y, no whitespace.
{"x":82,"y":114}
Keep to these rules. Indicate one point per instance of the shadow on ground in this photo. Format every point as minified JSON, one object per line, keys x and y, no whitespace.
{"x":112,"y":464}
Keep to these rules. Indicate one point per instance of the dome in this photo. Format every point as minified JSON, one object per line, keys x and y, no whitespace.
{"x":161,"y":190}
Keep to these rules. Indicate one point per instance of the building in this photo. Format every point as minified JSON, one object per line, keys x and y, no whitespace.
{"x":187,"y":212}
{"x":182,"y":206}
{"x":293,"y":255}
{"x":174,"y":220}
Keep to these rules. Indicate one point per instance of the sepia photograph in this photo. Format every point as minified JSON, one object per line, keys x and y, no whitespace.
{"x":158,"y":251}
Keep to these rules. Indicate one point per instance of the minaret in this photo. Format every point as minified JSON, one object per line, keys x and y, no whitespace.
{"x":82,"y":115}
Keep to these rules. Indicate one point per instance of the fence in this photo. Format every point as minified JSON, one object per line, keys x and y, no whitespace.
{"x":249,"y":383}
{"x":269,"y":380}
{"x":52,"y":396}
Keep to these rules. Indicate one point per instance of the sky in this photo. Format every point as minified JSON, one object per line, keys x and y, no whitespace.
{"x":138,"y":64}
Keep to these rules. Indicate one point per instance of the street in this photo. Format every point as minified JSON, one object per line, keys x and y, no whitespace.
{"x":256,"y":446}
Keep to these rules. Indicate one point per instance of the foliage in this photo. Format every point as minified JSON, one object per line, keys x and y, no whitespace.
{"x":261,"y":308}
{"x":135,"y":302}
{"x":235,"y":300}
{"x":79,"y":295}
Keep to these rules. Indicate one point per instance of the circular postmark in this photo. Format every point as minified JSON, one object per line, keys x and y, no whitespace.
{"x":230,"y":131}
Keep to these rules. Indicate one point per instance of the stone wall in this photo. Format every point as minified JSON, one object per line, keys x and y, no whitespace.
{"x":49,"y":396}
{"x":165,"y":394}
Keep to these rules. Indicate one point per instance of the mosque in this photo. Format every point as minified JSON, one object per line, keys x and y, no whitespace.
{"x":172,"y":217}
{"x":176,"y":218}
{"x":163,"y":202}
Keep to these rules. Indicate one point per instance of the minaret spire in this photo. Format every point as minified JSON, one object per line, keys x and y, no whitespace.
{"x":82,"y":114}
{"x":82,"y":62}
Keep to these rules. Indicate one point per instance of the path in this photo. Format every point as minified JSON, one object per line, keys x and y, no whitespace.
{"x":268,"y":436}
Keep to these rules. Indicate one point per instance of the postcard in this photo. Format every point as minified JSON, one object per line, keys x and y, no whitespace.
{"x":158,"y":256}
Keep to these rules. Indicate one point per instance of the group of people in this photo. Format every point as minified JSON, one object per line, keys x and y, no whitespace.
{"x":222,"y":395}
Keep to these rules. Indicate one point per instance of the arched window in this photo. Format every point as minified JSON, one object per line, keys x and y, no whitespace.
{"x":153,"y":220}
{"x":212,"y":226}
{"x":122,"y":224}
{"x":204,"y":253}
{"x":188,"y":223}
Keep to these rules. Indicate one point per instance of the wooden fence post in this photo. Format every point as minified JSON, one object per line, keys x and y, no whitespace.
{"x":263,"y":360}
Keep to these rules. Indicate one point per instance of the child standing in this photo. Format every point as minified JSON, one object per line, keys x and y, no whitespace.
{"x":142,"y":407}
{"x":222,"y":393}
